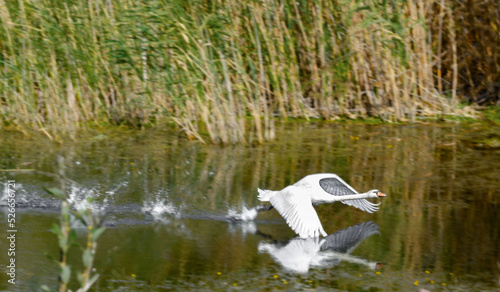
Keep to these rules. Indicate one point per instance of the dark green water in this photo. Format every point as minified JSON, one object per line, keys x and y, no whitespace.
{"x":167,"y":201}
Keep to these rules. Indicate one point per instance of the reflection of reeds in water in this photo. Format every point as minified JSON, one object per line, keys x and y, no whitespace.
{"x":441,"y":200}
{"x":208,"y":65}
{"x":432,"y":206}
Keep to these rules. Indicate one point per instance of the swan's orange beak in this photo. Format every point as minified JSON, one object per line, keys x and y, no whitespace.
{"x":380,"y":194}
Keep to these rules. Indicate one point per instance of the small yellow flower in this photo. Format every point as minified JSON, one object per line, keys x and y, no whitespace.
{"x":276,"y":276}
{"x":285,"y":282}
{"x":427,"y":272}
{"x":219,"y":273}
{"x":234,"y":284}
{"x":444,"y":284}
{"x":360,"y":275}
{"x":432,"y":282}
{"x":131,"y":163}
{"x":378,"y":273}
{"x":133,"y":275}
{"x":415,"y":283}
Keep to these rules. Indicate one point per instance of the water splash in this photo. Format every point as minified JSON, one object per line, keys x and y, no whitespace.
{"x":5,"y":194}
{"x":82,"y":198}
{"x":78,"y":197}
{"x":21,"y":195}
{"x":110,"y":195}
{"x":244,"y":215}
{"x":158,"y":208}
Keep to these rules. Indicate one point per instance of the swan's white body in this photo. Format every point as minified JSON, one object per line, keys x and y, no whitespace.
{"x":295,"y":202}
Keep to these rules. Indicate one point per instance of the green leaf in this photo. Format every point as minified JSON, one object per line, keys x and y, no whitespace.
{"x":65,"y":209}
{"x":46,"y":288}
{"x":56,"y":230}
{"x":72,"y":235}
{"x":55,"y":192}
{"x":76,"y":244}
{"x":96,"y":233}
{"x":63,"y":242}
{"x":65,"y":274}
{"x":87,"y":257}
{"x":81,"y":215}
{"x":79,"y":276}
{"x":93,"y":279}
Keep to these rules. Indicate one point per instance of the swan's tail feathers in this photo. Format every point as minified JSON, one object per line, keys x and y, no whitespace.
{"x":264,"y":195}
{"x":264,"y":208}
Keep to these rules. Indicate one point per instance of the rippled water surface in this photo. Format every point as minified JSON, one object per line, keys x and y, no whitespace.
{"x":171,"y":206}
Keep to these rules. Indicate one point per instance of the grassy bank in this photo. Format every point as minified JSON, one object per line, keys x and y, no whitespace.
{"x":209,"y":65}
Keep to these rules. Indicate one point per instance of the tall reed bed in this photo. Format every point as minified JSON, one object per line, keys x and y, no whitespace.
{"x":209,"y":65}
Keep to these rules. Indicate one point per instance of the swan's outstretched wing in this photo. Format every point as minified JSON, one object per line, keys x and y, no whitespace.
{"x":347,"y":239}
{"x":297,"y":209}
{"x":338,"y":187}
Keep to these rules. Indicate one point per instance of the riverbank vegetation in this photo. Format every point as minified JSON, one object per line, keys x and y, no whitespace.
{"x":207,"y":66}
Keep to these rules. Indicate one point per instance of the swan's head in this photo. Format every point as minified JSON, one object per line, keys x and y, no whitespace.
{"x":376,"y":193}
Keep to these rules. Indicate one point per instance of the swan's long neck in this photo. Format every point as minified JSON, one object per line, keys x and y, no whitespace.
{"x":353,"y":197}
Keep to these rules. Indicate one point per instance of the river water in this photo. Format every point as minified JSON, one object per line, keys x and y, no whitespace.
{"x":171,"y":206}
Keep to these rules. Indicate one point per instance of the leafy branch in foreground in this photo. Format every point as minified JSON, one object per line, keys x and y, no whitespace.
{"x":66,"y":235}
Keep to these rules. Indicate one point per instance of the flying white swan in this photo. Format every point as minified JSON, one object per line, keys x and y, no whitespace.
{"x":295,"y":203}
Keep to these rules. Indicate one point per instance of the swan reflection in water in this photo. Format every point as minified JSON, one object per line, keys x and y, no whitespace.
{"x":299,"y":255}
